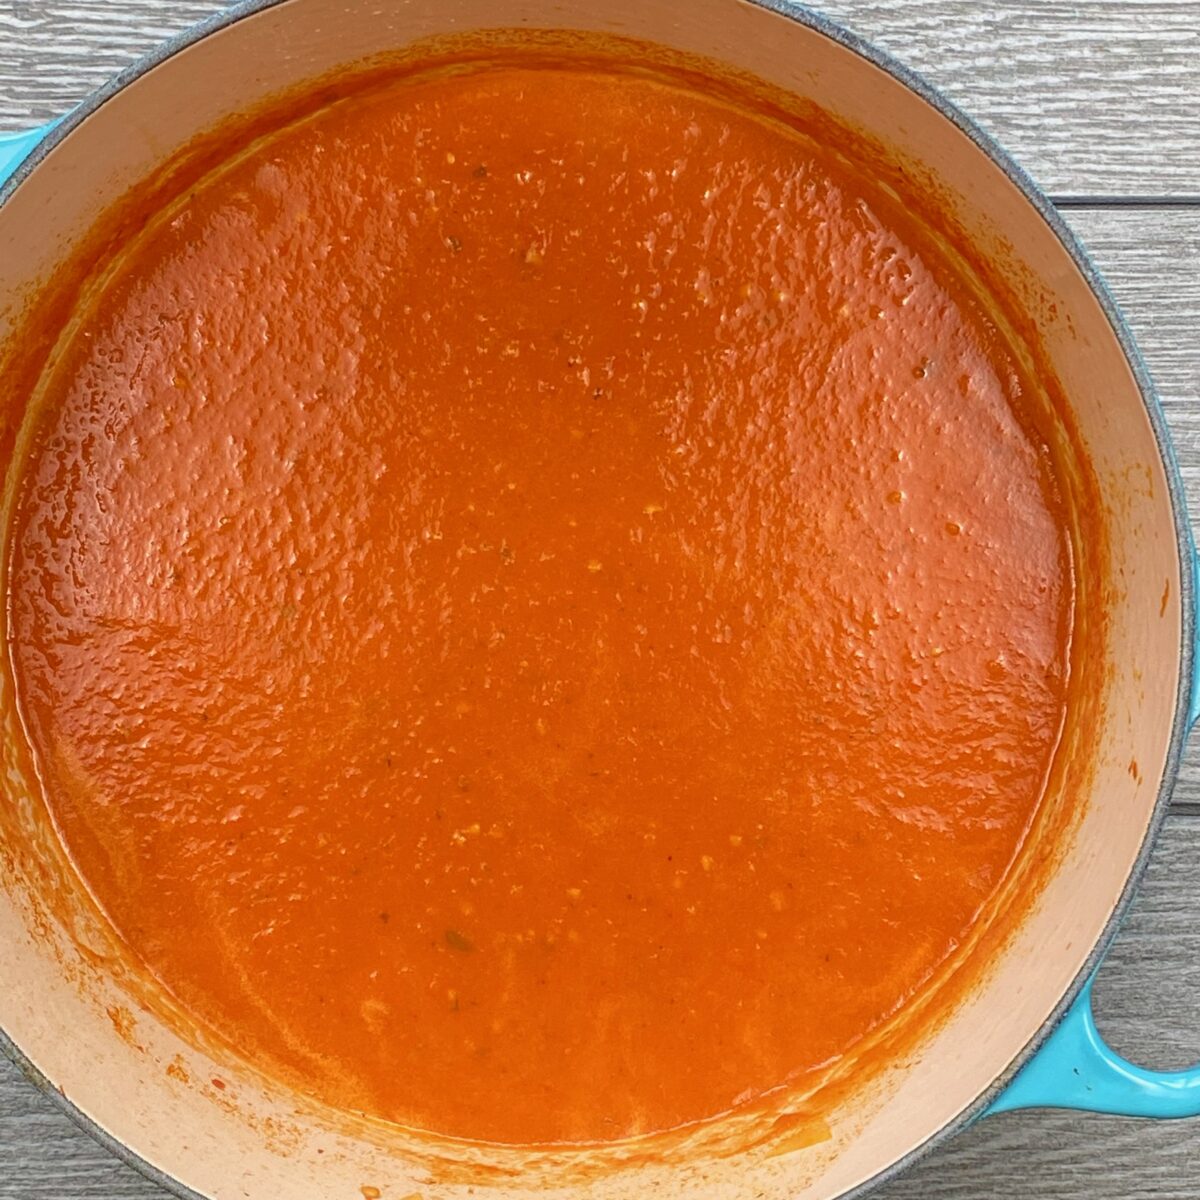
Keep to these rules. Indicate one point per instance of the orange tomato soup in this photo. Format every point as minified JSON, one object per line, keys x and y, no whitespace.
{"x":540,"y":604}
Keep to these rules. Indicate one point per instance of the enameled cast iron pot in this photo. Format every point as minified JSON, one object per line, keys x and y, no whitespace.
{"x":1025,"y":1037}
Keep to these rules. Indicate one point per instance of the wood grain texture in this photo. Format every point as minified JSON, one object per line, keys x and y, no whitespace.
{"x":1095,"y":98}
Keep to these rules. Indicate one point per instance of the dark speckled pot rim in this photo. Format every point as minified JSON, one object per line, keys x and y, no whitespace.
{"x":1046,"y":210}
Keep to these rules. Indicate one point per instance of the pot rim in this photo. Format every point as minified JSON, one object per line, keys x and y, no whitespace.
{"x":1041,"y":203}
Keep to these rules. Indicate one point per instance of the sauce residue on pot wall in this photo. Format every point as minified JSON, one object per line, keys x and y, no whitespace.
{"x":543,"y":604}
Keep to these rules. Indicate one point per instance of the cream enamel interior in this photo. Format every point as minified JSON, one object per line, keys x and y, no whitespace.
{"x":249,"y":1140}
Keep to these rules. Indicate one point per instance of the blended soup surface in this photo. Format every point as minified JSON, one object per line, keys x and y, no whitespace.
{"x":539,"y":604}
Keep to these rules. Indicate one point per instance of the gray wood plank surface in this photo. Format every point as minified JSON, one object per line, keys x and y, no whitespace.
{"x":1092,"y":96}
{"x":1098,"y":98}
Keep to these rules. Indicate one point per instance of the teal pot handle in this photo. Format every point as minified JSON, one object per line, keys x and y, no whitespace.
{"x":1074,"y":1069}
{"x":16,"y":147}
